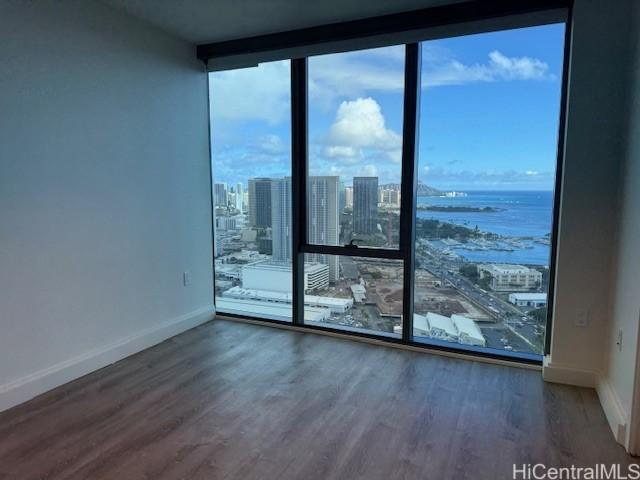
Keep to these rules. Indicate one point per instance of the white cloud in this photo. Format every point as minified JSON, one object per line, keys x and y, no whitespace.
{"x":272,"y":144}
{"x":333,"y":151}
{"x":261,"y":93}
{"x":361,"y":73}
{"x":446,"y":178}
{"x":498,"y":68}
{"x":359,"y":124}
{"x":370,"y":171}
{"x":358,"y":142}
{"x":355,"y":74}
{"x":517,"y":68}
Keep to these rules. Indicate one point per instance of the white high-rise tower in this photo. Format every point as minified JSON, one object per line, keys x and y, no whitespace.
{"x":323,"y":220}
{"x":281,"y":234}
{"x":240,"y":197}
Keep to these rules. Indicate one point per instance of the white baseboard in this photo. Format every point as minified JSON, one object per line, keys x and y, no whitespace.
{"x":555,"y":373}
{"x":613,"y":410}
{"x":36,"y":383}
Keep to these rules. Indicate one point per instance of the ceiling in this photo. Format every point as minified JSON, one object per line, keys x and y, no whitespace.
{"x":206,"y":21}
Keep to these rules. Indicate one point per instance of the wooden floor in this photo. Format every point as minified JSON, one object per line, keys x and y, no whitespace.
{"x":229,"y":400}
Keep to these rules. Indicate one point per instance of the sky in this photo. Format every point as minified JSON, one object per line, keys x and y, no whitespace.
{"x":489,"y":112}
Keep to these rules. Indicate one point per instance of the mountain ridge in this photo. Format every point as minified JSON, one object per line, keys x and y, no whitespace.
{"x":424,"y":190}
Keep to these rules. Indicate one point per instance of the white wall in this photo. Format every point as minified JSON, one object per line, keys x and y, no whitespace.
{"x":617,"y":382}
{"x":598,"y":261}
{"x":104,"y":191}
{"x":593,"y":153}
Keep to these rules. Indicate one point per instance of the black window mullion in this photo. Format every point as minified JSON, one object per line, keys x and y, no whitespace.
{"x":353,"y":251}
{"x":555,"y":226}
{"x":409,"y":187}
{"x":298,"y":180}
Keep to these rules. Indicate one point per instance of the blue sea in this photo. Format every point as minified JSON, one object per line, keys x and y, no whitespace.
{"x":525,"y":214}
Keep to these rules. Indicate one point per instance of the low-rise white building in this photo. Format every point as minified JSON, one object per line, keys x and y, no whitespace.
{"x":272,"y":310}
{"x":458,"y":329}
{"x":359,"y":292}
{"x":535,"y":300}
{"x":468,"y":331}
{"x":278,"y":277}
{"x":441,"y":327}
{"x":334,"y":304}
{"x":506,"y":278}
{"x":228,"y":270}
{"x":316,"y":276}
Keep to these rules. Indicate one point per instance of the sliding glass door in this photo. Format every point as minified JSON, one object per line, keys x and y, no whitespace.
{"x":404,"y":192}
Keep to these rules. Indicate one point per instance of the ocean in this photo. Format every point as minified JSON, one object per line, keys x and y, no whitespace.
{"x":522,"y":214}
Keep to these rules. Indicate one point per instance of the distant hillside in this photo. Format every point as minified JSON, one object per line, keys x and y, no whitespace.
{"x":423,"y":189}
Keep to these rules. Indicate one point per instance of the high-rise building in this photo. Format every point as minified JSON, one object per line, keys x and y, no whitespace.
{"x":342,"y":195}
{"x":281,"y":220}
{"x":323,"y":220}
{"x":348,"y":197}
{"x":240,"y":197}
{"x":226,"y":223}
{"x":394,"y":198}
{"x":365,"y":204}
{"x":389,"y":196}
{"x":220,"y":195}
{"x":260,"y":202}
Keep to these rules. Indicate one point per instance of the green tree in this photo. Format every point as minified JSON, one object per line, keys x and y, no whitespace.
{"x":469,"y":271}
{"x":539,"y":314}
{"x":485,"y":281}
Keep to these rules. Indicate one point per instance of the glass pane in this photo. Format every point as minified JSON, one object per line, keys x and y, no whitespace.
{"x":488,"y":138}
{"x":365,"y":296}
{"x":251,"y":159}
{"x":355,"y":147}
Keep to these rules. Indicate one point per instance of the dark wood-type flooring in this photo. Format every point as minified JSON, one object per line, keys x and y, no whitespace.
{"x":229,"y":400}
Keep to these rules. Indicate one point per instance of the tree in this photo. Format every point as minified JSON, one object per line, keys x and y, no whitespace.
{"x":485,"y":281}
{"x":469,"y":271}
{"x":539,"y":314}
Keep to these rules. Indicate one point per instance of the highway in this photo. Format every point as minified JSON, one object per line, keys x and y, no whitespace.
{"x":512,"y":326}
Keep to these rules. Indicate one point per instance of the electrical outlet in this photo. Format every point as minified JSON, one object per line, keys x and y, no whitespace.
{"x":619,"y":340}
{"x":186,"y":278}
{"x":582,"y":318}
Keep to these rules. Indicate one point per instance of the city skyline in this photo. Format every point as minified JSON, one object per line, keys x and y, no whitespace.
{"x":489,"y":113}
{"x":458,"y":300}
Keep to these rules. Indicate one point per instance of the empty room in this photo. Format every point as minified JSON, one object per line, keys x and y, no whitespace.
{"x":319,"y":240}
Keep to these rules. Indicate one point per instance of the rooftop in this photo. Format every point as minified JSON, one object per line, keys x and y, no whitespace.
{"x":528,"y":296}
{"x":278,"y":311}
{"x":268,"y":295}
{"x":468,"y":326}
{"x":506,"y":268}
{"x":269,"y":265}
{"x":441,"y":322}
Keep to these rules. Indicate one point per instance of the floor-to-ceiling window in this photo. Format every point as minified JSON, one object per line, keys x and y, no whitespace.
{"x":489,"y":116}
{"x":250,"y":115}
{"x":332,"y":221}
{"x":353,"y":185}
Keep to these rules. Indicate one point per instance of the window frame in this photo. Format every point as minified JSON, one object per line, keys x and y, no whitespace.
{"x":426,"y":24}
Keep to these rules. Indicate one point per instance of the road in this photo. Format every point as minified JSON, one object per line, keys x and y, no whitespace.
{"x":521,"y":332}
